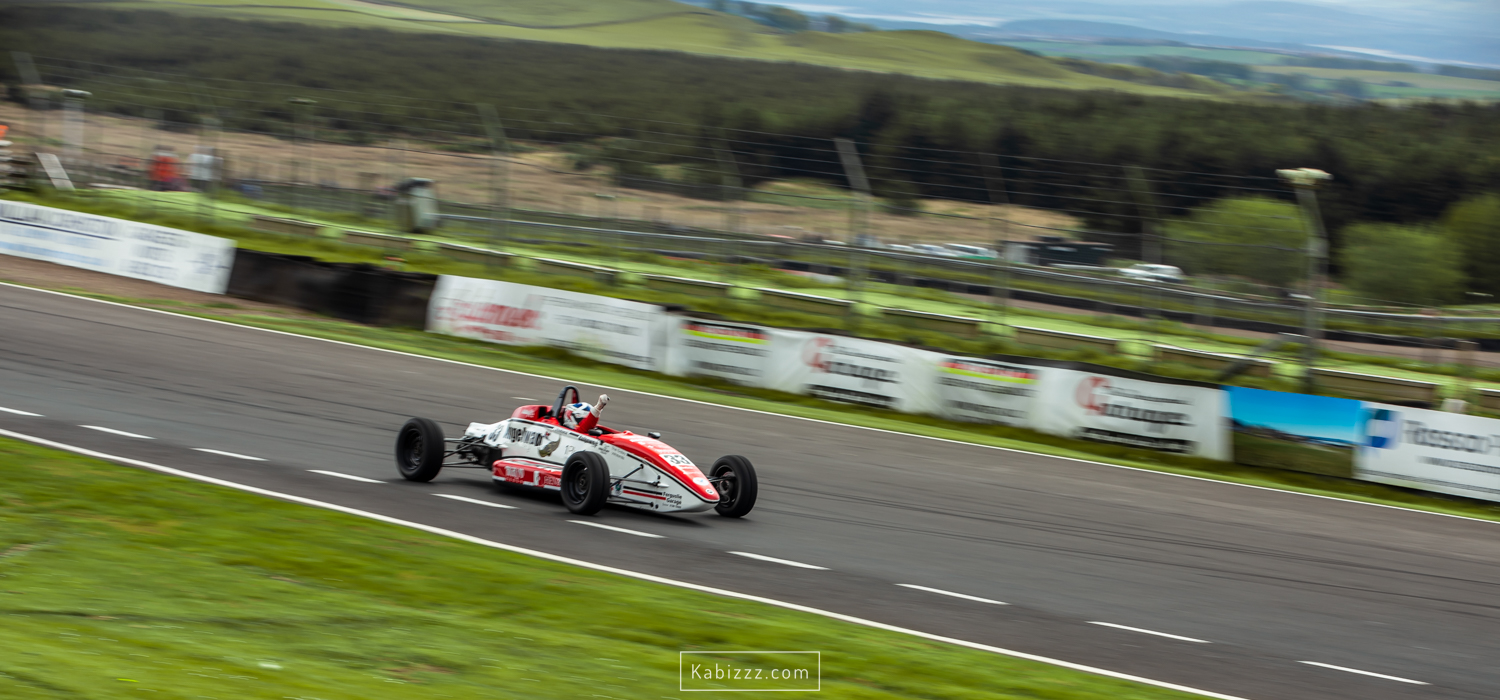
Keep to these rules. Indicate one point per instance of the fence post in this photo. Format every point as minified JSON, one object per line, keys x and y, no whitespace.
{"x":499,"y":167}
{"x":994,"y":185}
{"x":858,"y":219}
{"x":730,"y":186}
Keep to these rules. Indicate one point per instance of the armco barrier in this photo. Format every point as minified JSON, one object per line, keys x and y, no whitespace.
{"x":806,"y":303}
{"x":1372,"y":386}
{"x":688,"y":286}
{"x":379,"y":240}
{"x":294,"y":227}
{"x":353,"y":292}
{"x":1488,"y":400}
{"x":1057,"y":340}
{"x":1212,"y":360}
{"x":942,"y":323}
{"x":565,"y":267}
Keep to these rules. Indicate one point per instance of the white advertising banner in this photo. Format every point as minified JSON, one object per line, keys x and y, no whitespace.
{"x":733,"y":351}
{"x":987,"y":391}
{"x":607,"y":329}
{"x":1167,"y":417}
{"x":1430,"y":450}
{"x":852,"y":370}
{"x":126,"y":248}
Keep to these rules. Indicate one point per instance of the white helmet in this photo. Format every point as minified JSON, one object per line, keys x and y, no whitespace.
{"x":574,"y":413}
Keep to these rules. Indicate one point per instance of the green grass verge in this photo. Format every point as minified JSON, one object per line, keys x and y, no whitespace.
{"x":553,"y":362}
{"x":123,"y":583}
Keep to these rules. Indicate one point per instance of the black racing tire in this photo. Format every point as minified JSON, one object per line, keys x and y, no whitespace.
{"x":738,"y":492}
{"x":419,"y":450}
{"x":585,"y":483}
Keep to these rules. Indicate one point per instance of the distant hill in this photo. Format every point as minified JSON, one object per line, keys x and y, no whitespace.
{"x":674,"y":26}
{"x":1080,"y":29}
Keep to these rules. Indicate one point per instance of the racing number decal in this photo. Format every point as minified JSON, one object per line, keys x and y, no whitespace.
{"x":677,"y":460}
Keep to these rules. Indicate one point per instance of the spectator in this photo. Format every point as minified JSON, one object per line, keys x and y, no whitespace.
{"x":203,"y":168}
{"x":164,"y":173}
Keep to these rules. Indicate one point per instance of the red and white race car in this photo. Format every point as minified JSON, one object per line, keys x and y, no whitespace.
{"x":591,"y":467}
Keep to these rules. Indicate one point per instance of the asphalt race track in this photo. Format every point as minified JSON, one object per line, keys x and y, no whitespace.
{"x":1097,"y":564}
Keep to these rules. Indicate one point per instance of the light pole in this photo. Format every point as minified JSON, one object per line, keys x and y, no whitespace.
{"x":73,"y":125}
{"x":1306,"y":182}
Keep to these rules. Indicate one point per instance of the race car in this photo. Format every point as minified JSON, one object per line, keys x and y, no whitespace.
{"x":547,"y":447}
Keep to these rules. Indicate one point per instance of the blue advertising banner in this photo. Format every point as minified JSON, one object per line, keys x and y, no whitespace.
{"x":1317,"y":434}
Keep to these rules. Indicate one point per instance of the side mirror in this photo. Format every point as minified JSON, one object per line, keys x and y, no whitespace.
{"x":654,"y":435}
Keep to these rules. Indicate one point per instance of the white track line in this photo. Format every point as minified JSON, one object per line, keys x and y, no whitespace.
{"x":350,"y":477}
{"x":466,"y":499}
{"x":614,"y":570}
{"x":939,"y":591}
{"x":602,"y":526}
{"x":228,"y":454}
{"x":752,"y":410}
{"x":112,"y":431}
{"x":1159,"y":634}
{"x":20,"y":413}
{"x":787,"y":562}
{"x":1364,"y":673}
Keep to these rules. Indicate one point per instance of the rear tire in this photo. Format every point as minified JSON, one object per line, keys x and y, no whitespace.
{"x":737,"y":493}
{"x":419,"y":450}
{"x":585,"y":483}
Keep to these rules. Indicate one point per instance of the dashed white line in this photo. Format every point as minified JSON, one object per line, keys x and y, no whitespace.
{"x":523,"y":398}
{"x":602,"y":526}
{"x":938,"y":591}
{"x":788,"y":562}
{"x":466,"y":499}
{"x":112,"y":431}
{"x":1159,"y":634}
{"x":228,"y":454}
{"x":1364,"y":673}
{"x":19,"y":413}
{"x":350,"y":477}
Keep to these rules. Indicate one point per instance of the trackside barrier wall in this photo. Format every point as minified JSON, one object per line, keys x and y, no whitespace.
{"x":1185,"y":418}
{"x":351,"y":291}
{"x":115,"y":246}
{"x":1412,"y":447}
{"x":604,"y":328}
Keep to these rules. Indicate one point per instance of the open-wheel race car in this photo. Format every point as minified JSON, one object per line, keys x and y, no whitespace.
{"x":563,"y":448}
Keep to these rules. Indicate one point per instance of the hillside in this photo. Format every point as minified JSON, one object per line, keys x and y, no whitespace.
{"x":674,"y":26}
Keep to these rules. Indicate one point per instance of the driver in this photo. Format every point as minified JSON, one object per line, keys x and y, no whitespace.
{"x":581,"y":416}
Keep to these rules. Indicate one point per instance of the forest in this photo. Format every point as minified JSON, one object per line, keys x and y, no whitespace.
{"x":1051,"y":148}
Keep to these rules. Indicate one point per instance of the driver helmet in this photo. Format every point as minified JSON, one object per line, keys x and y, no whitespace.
{"x":574,"y":413}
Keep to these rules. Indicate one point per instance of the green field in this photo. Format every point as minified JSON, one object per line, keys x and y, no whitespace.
{"x":667,"y":25}
{"x":1125,"y":52}
{"x":188,"y":590}
{"x":1421,"y":84}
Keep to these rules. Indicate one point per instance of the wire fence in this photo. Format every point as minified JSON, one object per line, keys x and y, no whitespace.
{"x":684,"y":192}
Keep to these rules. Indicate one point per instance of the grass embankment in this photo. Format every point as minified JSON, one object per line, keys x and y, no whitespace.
{"x":552,"y":362}
{"x":231,"y":215}
{"x":671,"y":26}
{"x":118,"y":582}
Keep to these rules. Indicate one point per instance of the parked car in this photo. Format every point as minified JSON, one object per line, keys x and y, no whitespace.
{"x":929,"y":249}
{"x":972,"y":251}
{"x":1151,"y":272}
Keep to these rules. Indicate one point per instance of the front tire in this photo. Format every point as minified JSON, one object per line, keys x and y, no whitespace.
{"x":585,"y":483}
{"x":737,"y":485}
{"x":419,"y":450}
